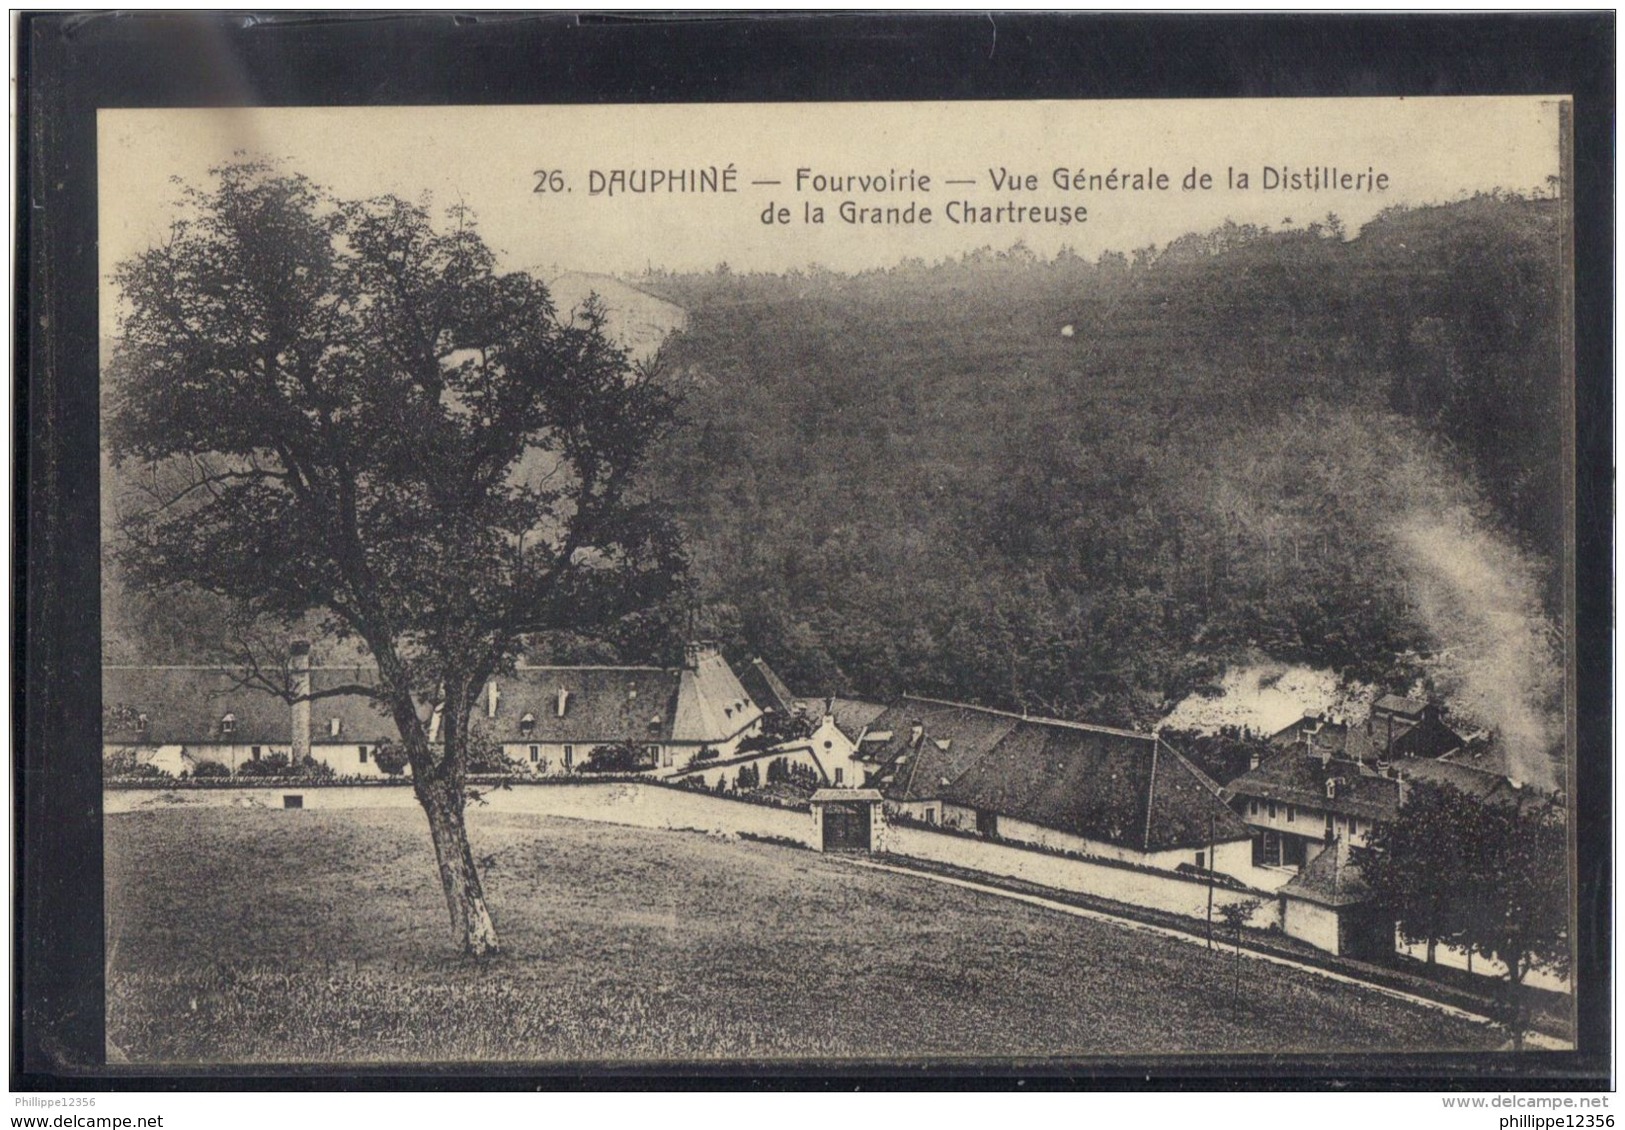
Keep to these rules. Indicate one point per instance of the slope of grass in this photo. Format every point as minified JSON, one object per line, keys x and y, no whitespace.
{"x":263,"y":937}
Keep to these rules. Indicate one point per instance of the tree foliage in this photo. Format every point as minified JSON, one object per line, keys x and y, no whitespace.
{"x":342,"y":414}
{"x":1490,"y":876}
{"x":910,"y":480}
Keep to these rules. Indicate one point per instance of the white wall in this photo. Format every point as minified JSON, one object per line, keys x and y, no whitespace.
{"x":345,"y":758}
{"x":1457,"y":958}
{"x":1312,"y":923}
{"x":1307,"y":821}
{"x":613,"y":802}
{"x":1175,"y":894}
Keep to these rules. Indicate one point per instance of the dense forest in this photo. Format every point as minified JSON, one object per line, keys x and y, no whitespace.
{"x":1084,"y":487}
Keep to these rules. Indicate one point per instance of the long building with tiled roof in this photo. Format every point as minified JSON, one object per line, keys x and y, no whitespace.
{"x":546,"y":719}
{"x":1067,"y":786}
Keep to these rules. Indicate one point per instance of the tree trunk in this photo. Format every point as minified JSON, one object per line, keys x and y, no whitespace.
{"x":442,"y":801}
{"x":1433,"y":946}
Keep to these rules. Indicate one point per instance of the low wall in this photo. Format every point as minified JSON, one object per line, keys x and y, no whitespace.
{"x":615,"y":802}
{"x":1457,"y":958}
{"x":1173,"y":894}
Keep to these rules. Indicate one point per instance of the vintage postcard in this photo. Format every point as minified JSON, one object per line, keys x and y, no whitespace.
{"x":811,"y":583}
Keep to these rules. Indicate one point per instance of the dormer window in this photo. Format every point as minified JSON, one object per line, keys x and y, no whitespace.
{"x":334,"y":726}
{"x":528,"y":722}
{"x":141,"y":723}
{"x":228,"y":725}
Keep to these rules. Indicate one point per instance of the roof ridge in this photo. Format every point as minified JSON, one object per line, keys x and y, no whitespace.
{"x":1090,"y":726}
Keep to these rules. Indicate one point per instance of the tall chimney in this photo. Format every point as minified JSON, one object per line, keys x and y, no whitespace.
{"x":299,"y":666}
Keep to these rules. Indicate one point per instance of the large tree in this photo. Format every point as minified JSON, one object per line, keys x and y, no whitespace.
{"x":344,"y":415}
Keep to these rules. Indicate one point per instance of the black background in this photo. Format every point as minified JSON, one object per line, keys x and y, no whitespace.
{"x":68,"y":66}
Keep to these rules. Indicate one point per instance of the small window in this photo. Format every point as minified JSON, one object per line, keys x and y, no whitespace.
{"x":228,"y":725}
{"x":1330,"y":821}
{"x":254,"y":753}
{"x":362,"y":750}
{"x":334,"y":727}
{"x":1291,"y":814}
{"x":1252,"y":808}
{"x":528,"y":723}
{"x":930,"y":816}
{"x":569,"y":756}
{"x":1272,"y":810}
{"x":829,"y":745}
{"x":1201,"y":861}
{"x":1354,"y":825}
{"x":840,"y":776}
{"x":535,"y":754}
{"x":141,"y":723}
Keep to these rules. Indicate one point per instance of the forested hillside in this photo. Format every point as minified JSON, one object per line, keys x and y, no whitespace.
{"x":1081,"y":487}
{"x":1084,"y":488}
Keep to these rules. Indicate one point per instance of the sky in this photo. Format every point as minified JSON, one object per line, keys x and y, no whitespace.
{"x":494,"y":159}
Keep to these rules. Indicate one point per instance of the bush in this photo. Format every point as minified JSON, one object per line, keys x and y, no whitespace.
{"x":207,"y":768}
{"x":125,"y":763}
{"x":391,"y":760}
{"x":622,"y":757}
{"x":270,"y":765}
{"x":750,"y":777}
{"x":279,"y":765}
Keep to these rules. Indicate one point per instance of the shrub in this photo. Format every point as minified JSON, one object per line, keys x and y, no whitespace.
{"x":750,"y":777}
{"x":621,"y":757}
{"x":126,"y":763}
{"x":269,"y":765}
{"x":391,"y":760}
{"x":208,"y":768}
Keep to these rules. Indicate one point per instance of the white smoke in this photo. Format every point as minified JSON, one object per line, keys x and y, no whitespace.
{"x":1498,"y":662}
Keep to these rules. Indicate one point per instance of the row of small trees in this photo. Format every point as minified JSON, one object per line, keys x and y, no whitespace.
{"x":1488,"y":877}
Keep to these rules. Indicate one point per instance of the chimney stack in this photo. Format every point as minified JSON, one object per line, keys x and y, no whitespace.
{"x":299,"y":667}
{"x":491,"y":697}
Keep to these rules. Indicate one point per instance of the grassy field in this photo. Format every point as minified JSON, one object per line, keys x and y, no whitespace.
{"x":251,"y":936}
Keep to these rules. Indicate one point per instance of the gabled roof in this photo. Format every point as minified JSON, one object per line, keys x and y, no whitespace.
{"x":1131,"y":790}
{"x":766,"y":688}
{"x":601,"y":705}
{"x":853,"y":716}
{"x":185,"y":706}
{"x":1329,"y":879}
{"x":1294,"y":777}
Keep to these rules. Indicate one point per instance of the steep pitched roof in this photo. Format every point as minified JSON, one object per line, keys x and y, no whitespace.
{"x":712,"y":705}
{"x":185,"y":706}
{"x":601,"y":705}
{"x":1298,"y":778}
{"x":1329,"y":879}
{"x":763,"y":685}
